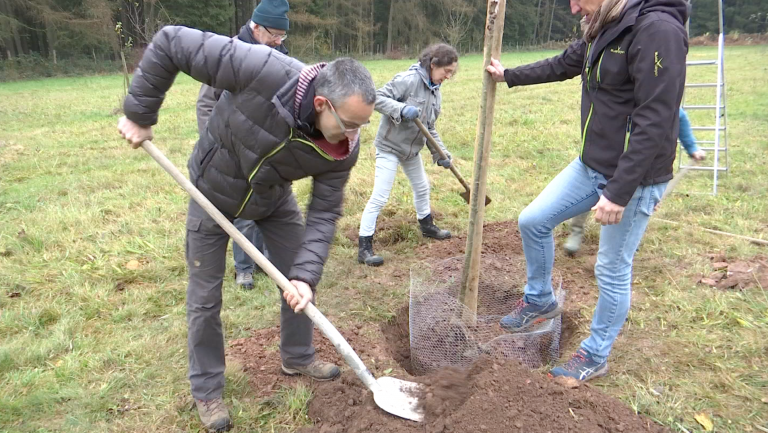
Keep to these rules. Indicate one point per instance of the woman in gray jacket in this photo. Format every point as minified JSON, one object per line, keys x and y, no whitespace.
{"x":412,"y":94}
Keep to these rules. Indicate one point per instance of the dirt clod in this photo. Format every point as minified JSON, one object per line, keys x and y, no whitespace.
{"x":738,"y":274}
{"x":567,"y":382}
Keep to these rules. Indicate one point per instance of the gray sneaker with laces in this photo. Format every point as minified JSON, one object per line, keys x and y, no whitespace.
{"x":245,"y":280}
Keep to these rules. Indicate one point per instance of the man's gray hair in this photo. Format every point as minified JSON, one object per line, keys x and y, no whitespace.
{"x":345,"y":77}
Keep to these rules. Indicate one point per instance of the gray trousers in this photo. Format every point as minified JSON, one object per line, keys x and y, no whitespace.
{"x":206,"y":250}
{"x":243,"y":262}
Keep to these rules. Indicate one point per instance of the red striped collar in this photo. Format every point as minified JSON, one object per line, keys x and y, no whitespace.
{"x":339,"y":151}
{"x":306,"y":76}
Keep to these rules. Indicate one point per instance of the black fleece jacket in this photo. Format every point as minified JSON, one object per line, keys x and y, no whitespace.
{"x":633,"y":76}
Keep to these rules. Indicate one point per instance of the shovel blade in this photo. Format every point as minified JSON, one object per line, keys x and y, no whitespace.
{"x":465,"y":196}
{"x":398,"y":397}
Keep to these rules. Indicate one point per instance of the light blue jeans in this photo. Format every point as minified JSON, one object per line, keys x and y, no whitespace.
{"x":386,"y":169}
{"x":243,"y":262}
{"x":572,"y":192}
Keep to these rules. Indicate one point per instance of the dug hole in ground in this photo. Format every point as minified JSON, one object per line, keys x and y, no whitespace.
{"x":492,"y":394}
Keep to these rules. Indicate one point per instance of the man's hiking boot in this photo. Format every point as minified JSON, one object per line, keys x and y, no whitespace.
{"x":214,"y":414}
{"x":430,"y":230}
{"x":365,"y":252}
{"x":526,"y":315}
{"x":318,"y":370}
{"x":581,"y":366}
{"x":244,"y":280}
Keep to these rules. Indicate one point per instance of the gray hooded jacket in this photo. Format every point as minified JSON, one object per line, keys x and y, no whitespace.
{"x":404,"y":138}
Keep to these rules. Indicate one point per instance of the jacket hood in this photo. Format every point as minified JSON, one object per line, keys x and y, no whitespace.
{"x":678,"y":9}
{"x":424,"y":75}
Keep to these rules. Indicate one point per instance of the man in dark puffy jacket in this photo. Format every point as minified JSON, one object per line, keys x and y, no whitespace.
{"x":268,"y":26}
{"x":277,"y":121}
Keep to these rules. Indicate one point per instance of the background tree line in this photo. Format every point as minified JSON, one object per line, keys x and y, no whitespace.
{"x":100,"y":29}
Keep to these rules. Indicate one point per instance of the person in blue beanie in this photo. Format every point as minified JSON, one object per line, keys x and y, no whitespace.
{"x":268,"y":26}
{"x":572,"y":245}
{"x":269,"y":23}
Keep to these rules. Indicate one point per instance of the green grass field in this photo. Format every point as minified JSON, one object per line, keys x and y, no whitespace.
{"x":88,"y":345}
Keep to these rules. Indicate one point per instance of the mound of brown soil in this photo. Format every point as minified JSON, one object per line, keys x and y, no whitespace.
{"x":503,"y":239}
{"x":498,"y":239}
{"x":491,"y":397}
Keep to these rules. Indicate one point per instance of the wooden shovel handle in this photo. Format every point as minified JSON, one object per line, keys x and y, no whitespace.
{"x":220,"y":219}
{"x":322,"y":322}
{"x":434,"y":147}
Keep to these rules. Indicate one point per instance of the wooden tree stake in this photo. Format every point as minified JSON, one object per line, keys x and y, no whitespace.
{"x":470,"y":278}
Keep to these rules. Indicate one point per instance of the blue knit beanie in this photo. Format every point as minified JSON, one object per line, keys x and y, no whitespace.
{"x":272,"y":14}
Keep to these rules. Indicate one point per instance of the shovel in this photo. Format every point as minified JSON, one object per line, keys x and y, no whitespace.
{"x":393,"y":395}
{"x":434,"y":147}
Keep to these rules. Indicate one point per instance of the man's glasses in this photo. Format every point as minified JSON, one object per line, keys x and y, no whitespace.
{"x":275,"y":36}
{"x":345,"y":128}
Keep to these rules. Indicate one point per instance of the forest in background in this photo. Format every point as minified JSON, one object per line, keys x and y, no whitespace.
{"x":82,"y":32}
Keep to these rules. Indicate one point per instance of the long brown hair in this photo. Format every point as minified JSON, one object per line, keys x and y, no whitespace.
{"x":609,"y":11}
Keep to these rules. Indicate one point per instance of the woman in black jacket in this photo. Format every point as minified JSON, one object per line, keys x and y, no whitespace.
{"x":632,"y":65}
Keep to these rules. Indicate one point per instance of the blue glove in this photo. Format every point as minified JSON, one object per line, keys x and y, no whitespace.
{"x":409,"y":112}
